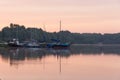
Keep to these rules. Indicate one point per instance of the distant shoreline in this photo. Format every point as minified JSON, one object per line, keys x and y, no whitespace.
{"x":95,"y":44}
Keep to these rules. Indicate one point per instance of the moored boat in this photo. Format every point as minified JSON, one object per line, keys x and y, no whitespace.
{"x":31,"y":44}
{"x":14,"y":43}
{"x":58,"y":45}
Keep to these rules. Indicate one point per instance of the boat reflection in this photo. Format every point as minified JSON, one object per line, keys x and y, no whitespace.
{"x":16,"y":56}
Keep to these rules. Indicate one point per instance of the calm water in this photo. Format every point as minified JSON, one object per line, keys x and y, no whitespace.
{"x":77,"y":63}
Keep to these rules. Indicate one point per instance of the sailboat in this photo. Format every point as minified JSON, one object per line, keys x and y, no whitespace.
{"x":57,"y":44}
{"x":32,"y":43}
{"x":14,"y":42}
{"x":27,"y":44}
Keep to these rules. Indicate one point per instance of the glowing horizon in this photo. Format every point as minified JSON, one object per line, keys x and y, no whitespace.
{"x":88,"y":16}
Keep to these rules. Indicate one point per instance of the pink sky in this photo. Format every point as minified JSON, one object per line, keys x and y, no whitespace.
{"x":100,"y":16}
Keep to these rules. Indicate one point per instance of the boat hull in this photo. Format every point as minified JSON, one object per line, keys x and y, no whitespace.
{"x":14,"y":45}
{"x":58,"y":46}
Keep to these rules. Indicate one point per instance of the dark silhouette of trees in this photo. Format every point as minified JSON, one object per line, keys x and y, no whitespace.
{"x":25,"y":34}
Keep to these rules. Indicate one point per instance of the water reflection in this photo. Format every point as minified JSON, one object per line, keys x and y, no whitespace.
{"x":16,"y":55}
{"x":76,"y":63}
{"x":96,"y":50}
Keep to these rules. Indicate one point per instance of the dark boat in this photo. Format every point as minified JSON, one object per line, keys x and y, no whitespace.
{"x":57,"y":44}
{"x":65,"y":45}
{"x":26,"y":44}
{"x":14,"y":43}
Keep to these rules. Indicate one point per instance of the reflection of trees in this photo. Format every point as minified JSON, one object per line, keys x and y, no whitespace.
{"x":95,"y":49}
{"x":15,"y":55}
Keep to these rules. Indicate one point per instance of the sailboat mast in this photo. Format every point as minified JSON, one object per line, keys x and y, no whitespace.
{"x":44,"y":27}
{"x":60,"y":25}
{"x":44,"y":37}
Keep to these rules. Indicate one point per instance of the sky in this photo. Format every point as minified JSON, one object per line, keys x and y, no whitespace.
{"x":81,"y":16}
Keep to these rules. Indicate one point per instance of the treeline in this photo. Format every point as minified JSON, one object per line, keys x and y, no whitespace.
{"x":24,"y":34}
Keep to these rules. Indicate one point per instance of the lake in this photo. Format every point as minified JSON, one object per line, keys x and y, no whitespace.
{"x":76,"y":63}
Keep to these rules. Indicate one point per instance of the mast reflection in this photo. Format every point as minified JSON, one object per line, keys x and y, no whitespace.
{"x":18,"y":56}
